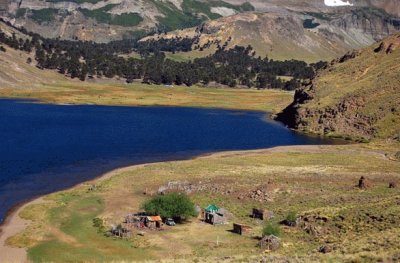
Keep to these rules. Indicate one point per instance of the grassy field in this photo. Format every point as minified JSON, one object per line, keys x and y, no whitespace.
{"x":316,"y":182}
{"x":21,"y":80}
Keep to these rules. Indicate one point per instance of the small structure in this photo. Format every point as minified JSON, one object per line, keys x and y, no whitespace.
{"x":142,"y":220}
{"x":241,"y":229}
{"x":270,"y":242}
{"x":215,"y":215}
{"x":121,"y":232}
{"x":153,"y":222}
{"x":262,"y":214}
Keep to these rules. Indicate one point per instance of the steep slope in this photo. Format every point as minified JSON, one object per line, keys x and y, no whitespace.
{"x":357,"y":96}
{"x":305,"y":36}
{"x":16,"y":73}
{"x":105,"y":20}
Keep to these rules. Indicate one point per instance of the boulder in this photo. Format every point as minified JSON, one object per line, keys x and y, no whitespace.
{"x":364,"y":183}
{"x":325,"y":249}
{"x":270,"y":242}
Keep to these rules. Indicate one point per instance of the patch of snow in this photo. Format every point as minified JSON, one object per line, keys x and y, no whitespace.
{"x":337,"y":3}
{"x":223,"y":11}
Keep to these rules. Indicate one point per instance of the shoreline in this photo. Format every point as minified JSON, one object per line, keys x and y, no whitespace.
{"x":14,"y":224}
{"x":11,"y":226}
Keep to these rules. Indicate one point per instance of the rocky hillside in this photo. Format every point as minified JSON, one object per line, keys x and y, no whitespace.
{"x":288,"y":34}
{"x":357,"y":96}
{"x":105,"y":20}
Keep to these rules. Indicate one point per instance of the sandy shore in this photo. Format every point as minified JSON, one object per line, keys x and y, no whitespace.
{"x":14,"y":224}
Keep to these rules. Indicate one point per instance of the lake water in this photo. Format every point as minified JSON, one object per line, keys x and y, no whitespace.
{"x":45,"y":148}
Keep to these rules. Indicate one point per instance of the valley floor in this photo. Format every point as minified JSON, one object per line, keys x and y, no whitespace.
{"x":21,"y":80}
{"x":316,"y":182}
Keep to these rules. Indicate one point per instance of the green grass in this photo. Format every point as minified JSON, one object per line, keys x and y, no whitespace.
{"x":74,"y":218}
{"x":271,"y":229}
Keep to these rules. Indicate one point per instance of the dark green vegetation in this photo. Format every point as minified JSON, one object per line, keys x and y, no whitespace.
{"x":231,"y":67}
{"x":44,"y":15}
{"x":20,"y":12}
{"x":173,"y":205}
{"x":75,"y":1}
{"x":102,"y":16}
{"x":192,"y":14}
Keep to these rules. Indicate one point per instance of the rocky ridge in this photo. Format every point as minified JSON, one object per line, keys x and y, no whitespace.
{"x":357,"y":96}
{"x":294,"y":35}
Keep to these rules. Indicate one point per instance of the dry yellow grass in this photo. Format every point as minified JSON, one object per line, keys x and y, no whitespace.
{"x":313,"y":181}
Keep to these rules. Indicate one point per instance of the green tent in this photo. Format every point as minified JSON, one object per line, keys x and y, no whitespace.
{"x":212,"y":208}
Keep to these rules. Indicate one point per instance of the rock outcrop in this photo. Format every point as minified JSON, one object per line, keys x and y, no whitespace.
{"x":357,"y":96}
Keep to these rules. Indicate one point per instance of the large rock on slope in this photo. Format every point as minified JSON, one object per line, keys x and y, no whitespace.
{"x":357,"y":96}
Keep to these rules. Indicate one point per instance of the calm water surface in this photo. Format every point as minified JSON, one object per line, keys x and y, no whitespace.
{"x":44,"y":148}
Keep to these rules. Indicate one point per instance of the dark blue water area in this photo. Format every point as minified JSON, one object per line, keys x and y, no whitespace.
{"x":45,"y":148}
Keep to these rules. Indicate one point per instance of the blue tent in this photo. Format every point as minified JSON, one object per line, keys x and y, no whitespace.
{"x":212,"y":208}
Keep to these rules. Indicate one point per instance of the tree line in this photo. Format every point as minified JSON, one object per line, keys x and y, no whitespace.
{"x":227,"y":66}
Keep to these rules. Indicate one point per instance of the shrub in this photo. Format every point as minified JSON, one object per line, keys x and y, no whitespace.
{"x":173,"y":205}
{"x":291,"y":219}
{"x":99,"y":223}
{"x":271,"y":229}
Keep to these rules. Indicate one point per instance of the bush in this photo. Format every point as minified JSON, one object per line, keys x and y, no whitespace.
{"x":271,"y":229}
{"x":99,"y":223}
{"x":291,"y":219}
{"x":173,"y":205}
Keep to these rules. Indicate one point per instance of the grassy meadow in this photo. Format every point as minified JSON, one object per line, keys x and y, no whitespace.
{"x":21,"y":80}
{"x":318,"y":183}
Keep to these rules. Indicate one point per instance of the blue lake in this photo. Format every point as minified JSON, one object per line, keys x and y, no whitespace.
{"x":45,"y":148}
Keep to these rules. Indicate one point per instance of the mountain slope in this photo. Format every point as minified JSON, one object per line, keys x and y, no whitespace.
{"x":105,"y":20}
{"x":358,"y":96}
{"x":305,"y":36}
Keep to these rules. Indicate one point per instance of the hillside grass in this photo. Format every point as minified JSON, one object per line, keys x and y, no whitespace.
{"x":317,"y":182}
{"x":371,"y":78}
